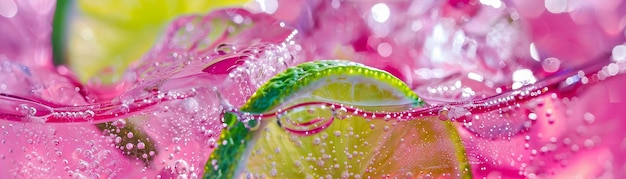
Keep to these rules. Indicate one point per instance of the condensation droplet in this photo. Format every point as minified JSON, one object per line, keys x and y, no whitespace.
{"x":129,"y":146}
{"x":551,"y":64}
{"x":141,"y":145}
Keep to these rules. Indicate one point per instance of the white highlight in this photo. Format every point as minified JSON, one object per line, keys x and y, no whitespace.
{"x":522,"y":77}
{"x":380,"y":12}
{"x":268,"y":6}
{"x":619,"y":53}
{"x":533,"y":52}
{"x":475,"y":77}
{"x":384,"y":49}
{"x":493,"y":3}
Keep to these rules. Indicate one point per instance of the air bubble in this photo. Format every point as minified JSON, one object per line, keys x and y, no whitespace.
{"x":223,"y":49}
{"x":589,"y":118}
{"x":551,"y":65}
{"x":141,"y":145}
{"x":180,"y":167}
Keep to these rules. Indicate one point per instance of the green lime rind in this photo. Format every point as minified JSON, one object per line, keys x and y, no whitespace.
{"x":292,"y":80}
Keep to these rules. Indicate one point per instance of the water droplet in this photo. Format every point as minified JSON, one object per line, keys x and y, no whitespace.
{"x":619,"y":53}
{"x":212,"y":143}
{"x":589,"y":143}
{"x":180,"y":167}
{"x":141,"y":145}
{"x":120,"y":123}
{"x":130,"y":135}
{"x":273,"y":172}
{"x":182,"y":176}
{"x":551,"y":64}
{"x":129,"y":146}
{"x":124,"y":108}
{"x":225,"y":49}
{"x":176,"y":140}
{"x":443,"y":114}
{"x":589,"y":118}
{"x":384,"y":49}
{"x":317,"y":140}
{"x":8,"y":8}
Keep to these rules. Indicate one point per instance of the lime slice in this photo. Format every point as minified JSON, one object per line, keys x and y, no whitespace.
{"x":109,"y":35}
{"x":349,"y":147}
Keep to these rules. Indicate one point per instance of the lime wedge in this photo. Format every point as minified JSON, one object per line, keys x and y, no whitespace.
{"x":109,"y":35}
{"x":349,"y":147}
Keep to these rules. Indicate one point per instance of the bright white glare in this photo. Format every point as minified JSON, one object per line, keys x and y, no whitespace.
{"x":380,"y":12}
{"x":522,"y":77}
{"x":439,"y":34}
{"x":493,"y":3}
{"x":475,"y":77}
{"x":268,"y":6}
{"x":533,"y":52}
{"x":619,"y":53}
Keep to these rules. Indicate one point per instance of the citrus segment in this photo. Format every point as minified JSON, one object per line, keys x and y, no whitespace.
{"x":351,"y":146}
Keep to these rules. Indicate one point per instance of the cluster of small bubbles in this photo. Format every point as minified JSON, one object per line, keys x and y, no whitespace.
{"x":120,"y":123}
{"x":72,"y":115}
{"x":212,"y":143}
{"x":27,"y":110}
{"x":269,"y":60}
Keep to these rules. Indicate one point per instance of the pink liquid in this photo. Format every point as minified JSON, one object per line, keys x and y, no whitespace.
{"x":560,"y":126}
